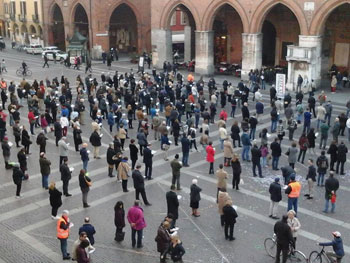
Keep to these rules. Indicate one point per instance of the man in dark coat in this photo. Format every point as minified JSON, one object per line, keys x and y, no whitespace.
{"x":95,"y":140}
{"x":110,"y":161}
{"x":176,"y":166}
{"x":133,"y":153}
{"x":147,"y":159}
{"x":230,"y":216}
{"x":66,"y":175}
{"x":17,"y":176}
{"x":41,"y":141}
{"x":22,"y":159}
{"x":331,"y":187}
{"x":185,"y":143}
{"x":342,"y":151}
{"x":256,"y":154}
{"x":287,"y":171}
{"x":58,"y":131}
{"x":310,"y":178}
{"x":245,"y":111}
{"x":173,"y":205}
{"x":284,"y":238}
{"x":139,"y":184}
{"x":275,"y":191}
{"x":6,"y":152}
{"x":89,"y":230}
{"x":45,"y":170}
{"x":276,"y":153}
{"x":273,"y":93}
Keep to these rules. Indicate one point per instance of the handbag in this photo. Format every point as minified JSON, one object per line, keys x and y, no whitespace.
{"x":333,"y":198}
{"x":119,"y":236}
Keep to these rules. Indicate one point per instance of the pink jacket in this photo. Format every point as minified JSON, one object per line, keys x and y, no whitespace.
{"x":264,"y":151}
{"x":44,"y":123}
{"x":135,"y":215}
{"x":210,"y":153}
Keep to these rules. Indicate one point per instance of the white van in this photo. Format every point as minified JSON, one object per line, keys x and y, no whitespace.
{"x":34,"y":49}
{"x":50,"y":48}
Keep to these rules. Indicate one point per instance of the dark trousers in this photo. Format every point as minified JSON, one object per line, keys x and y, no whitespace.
{"x":284,"y":253}
{"x":42,"y":148}
{"x":32,"y":128}
{"x":118,"y":230}
{"x":259,"y":169}
{"x":54,"y":210}
{"x":333,"y":161}
{"x":235,"y":180}
{"x":148,"y":171}
{"x":139,"y":237}
{"x":18,"y":189}
{"x":141,"y":148}
{"x":302,"y":155}
{"x":227,"y":227}
{"x":143,"y":194}
{"x":65,"y":187}
{"x":133,"y":163}
{"x":57,"y":139}
{"x":125,"y":185}
{"x":62,"y":158}
{"x":211,"y":168}
{"x":341,"y":164}
{"x":26,"y":147}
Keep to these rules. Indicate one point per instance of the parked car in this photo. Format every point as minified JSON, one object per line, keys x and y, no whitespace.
{"x":34,"y":49}
{"x":50,"y":48}
{"x":60,"y":55}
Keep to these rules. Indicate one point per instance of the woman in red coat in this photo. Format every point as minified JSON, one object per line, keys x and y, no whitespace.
{"x":210,"y":157}
{"x":303,"y":144}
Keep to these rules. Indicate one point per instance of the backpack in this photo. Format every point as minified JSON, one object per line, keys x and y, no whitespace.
{"x":323,"y":164}
{"x":193,"y":133}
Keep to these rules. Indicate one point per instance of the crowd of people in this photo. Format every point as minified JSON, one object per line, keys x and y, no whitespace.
{"x":166,"y":105}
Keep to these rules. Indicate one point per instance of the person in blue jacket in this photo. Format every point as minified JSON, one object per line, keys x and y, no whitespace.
{"x":338,"y":248}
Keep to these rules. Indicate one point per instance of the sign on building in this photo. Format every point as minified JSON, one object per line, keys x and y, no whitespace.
{"x":280,"y":85}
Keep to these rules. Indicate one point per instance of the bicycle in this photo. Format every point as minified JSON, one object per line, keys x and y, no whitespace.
{"x":319,"y":257}
{"x":21,"y":73}
{"x":270,"y":245}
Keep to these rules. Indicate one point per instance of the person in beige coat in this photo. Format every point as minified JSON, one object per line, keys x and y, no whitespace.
{"x":228,"y":151}
{"x":123,"y":173}
{"x":294,"y":225}
{"x":222,"y":176}
{"x":122,"y":135}
{"x":223,"y":197}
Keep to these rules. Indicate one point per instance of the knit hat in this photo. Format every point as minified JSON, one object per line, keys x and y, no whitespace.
{"x":277,"y":179}
{"x":292,"y":177}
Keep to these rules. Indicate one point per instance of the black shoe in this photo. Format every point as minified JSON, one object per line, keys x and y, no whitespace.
{"x":306,"y":195}
{"x":254,"y":175}
{"x":68,"y":195}
{"x":150,"y":178}
{"x":86,"y":206}
{"x":232,"y":238}
{"x":66,"y":258}
{"x":275,"y":217}
{"x":148,"y":204}
{"x":125,"y":191}
{"x":261,"y":176}
{"x":140,"y":246}
{"x":310,"y":197}
{"x":270,"y":216}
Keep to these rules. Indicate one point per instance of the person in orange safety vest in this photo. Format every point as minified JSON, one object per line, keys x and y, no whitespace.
{"x":293,"y":192}
{"x":63,"y":226}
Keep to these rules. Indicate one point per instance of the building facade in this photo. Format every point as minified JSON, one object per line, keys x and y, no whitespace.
{"x":302,"y":36}
{"x":23,"y":21}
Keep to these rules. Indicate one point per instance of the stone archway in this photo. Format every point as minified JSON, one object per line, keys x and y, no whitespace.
{"x":57,"y":32}
{"x":81,"y":22}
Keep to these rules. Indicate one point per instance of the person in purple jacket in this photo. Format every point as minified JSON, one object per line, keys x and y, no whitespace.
{"x":137,"y":223}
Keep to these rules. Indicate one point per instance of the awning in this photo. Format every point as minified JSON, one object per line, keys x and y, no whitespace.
{"x":178,"y":38}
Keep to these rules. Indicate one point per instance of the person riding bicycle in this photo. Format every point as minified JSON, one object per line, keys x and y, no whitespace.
{"x":24,"y":67}
{"x":338,"y":248}
{"x":284,"y":238}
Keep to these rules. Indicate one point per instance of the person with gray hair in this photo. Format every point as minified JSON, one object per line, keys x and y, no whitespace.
{"x":195,"y":197}
{"x":89,"y":230}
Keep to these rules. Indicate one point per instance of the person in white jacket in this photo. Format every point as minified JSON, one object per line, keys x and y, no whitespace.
{"x":223,"y":136}
{"x":294,"y":225}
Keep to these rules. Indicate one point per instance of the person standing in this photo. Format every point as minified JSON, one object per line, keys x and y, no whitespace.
{"x":342,"y":151}
{"x":322,"y":167}
{"x":324,"y":135}
{"x":55,"y":200}
{"x":77,"y":137}
{"x":44,"y":170}
{"x":147,"y":160}
{"x":176,"y":249}
{"x":246,"y":146}
{"x":256,"y":155}
{"x":63,"y":226}
{"x":110,"y":161}
{"x":221,"y":182}
{"x":336,"y":129}
{"x":139,"y":185}
{"x":333,"y":152}
{"x":89,"y":230}
{"x":17,"y":177}
{"x":84,"y":183}
{"x":293,"y":192}
{"x":26,"y":142}
{"x":236,"y":170}
{"x":223,"y":197}
{"x":276,"y":152}
{"x":84,"y":154}
{"x":311,"y":178}
{"x":210,"y":157}
{"x":331,"y":187}
{"x":284,"y":238}
{"x":195,"y":197}
{"x":95,"y":140}
{"x":303,"y":145}
{"x":63,"y":149}
{"x":119,"y":221}
{"x":6,"y":152}
{"x":294,"y":225}
{"x":228,"y":151}
{"x":58,"y":131}
{"x":133,"y":153}
{"x":185,"y":145}
{"x":292,"y":153}
{"x":172,"y":205}
{"x":46,"y":60}
{"x":311,"y":138}
{"x":123,"y":173}
{"x":66,"y":175}
{"x":81,"y":253}
{"x":163,"y":240}
{"x":137,"y":223}
{"x":275,"y":191}
{"x":176,"y":167}
{"x":230,"y":216}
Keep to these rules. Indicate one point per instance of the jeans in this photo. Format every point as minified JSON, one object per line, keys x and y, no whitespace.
{"x":32,"y":128}
{"x":45,"y":181}
{"x":259,"y":169}
{"x":323,"y":142}
{"x":275,"y":160}
{"x":264,"y":161}
{"x":328,"y":118}
{"x":245,"y":152}
{"x":54,"y":210}
{"x":293,"y":202}
{"x":222,"y":144}
{"x":64,"y":247}
{"x":306,"y":127}
{"x":85,"y":165}
{"x":273,"y":126}
{"x":299,"y":118}
{"x":233,"y":110}
{"x":320,"y":179}
{"x":139,"y":237}
{"x":252,"y":133}
{"x":185,"y":158}
{"x":326,"y":205}
{"x":318,"y":123}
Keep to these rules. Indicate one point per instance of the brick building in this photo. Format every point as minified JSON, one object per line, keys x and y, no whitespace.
{"x":307,"y":36}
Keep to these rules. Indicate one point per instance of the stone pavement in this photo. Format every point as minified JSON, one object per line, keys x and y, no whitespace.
{"x":29,"y":233}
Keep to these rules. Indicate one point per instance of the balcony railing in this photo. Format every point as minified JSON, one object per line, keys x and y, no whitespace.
{"x":22,"y":18}
{"x":13,"y":17}
{"x":35,"y":18}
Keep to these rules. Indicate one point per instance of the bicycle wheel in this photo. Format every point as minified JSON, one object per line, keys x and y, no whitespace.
{"x":297,"y":256}
{"x":19,"y":72}
{"x":28,"y":73}
{"x":315,"y":257}
{"x":270,"y":247}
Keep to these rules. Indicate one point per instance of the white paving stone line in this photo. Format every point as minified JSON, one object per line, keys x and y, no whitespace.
{"x":266,"y":198}
{"x":259,"y":217}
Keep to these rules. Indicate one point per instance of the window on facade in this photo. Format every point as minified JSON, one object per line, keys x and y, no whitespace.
{"x":183,"y":18}
{"x":173,"y":19}
{"x":36,"y":12}
{"x":6,"y":8}
{"x":13,"y":8}
{"x":23,"y":8}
